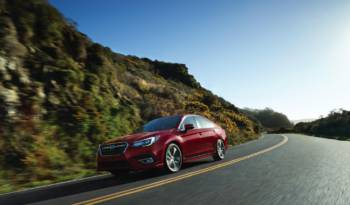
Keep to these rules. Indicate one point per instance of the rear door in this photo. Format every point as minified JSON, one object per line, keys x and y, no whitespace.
{"x":207,"y":134}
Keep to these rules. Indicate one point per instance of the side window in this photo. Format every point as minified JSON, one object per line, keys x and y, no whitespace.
{"x":204,"y":122}
{"x":189,"y":120}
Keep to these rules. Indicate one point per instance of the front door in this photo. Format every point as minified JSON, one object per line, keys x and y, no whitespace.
{"x":192,"y":145}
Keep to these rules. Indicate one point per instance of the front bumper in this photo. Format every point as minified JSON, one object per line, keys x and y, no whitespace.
{"x":135,"y":159}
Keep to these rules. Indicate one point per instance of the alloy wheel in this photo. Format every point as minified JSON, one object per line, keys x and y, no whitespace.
{"x":173,"y":158}
{"x":220,"y":150}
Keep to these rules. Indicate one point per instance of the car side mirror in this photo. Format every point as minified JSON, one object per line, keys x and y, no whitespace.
{"x":189,"y":127}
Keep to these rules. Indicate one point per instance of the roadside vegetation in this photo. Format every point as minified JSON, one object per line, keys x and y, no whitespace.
{"x":335,"y":126}
{"x":268,"y":119}
{"x":62,"y":94}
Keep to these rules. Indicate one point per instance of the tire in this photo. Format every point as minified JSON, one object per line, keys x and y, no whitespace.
{"x":173,"y":158}
{"x":220,"y":150}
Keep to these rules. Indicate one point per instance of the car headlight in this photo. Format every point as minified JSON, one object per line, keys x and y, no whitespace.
{"x":146,"y":142}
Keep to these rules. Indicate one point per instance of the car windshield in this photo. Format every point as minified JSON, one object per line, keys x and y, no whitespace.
{"x":163,"y":123}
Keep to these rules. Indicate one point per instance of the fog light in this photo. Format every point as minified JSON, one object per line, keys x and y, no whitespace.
{"x":148,"y":160}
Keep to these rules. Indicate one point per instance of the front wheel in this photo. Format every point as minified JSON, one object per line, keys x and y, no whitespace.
{"x":220,"y":150}
{"x":173,"y":158}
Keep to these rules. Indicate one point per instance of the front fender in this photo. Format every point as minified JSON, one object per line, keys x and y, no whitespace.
{"x":172,"y":139}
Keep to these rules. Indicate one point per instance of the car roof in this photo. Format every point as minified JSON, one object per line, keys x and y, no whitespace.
{"x":185,"y":115}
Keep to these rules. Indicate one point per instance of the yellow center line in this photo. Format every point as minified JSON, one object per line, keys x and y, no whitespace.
{"x":177,"y":178}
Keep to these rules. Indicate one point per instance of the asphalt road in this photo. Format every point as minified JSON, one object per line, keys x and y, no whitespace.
{"x":271,"y":170}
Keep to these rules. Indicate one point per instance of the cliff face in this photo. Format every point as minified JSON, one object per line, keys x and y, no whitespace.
{"x":62,"y":94}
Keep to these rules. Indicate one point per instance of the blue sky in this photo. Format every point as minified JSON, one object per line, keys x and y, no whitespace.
{"x":292,"y":56}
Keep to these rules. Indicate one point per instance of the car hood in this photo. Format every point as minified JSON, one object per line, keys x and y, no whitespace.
{"x":138,"y":136}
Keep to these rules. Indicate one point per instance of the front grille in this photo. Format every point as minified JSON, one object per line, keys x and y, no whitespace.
{"x":113,"y":149}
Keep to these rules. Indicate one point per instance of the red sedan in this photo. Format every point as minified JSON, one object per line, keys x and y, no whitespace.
{"x":164,"y":142}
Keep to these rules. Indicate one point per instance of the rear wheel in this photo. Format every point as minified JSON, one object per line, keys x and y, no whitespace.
{"x":173,"y":158}
{"x":220,"y":150}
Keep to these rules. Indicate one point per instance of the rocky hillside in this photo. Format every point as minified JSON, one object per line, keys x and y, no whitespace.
{"x":62,"y":94}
